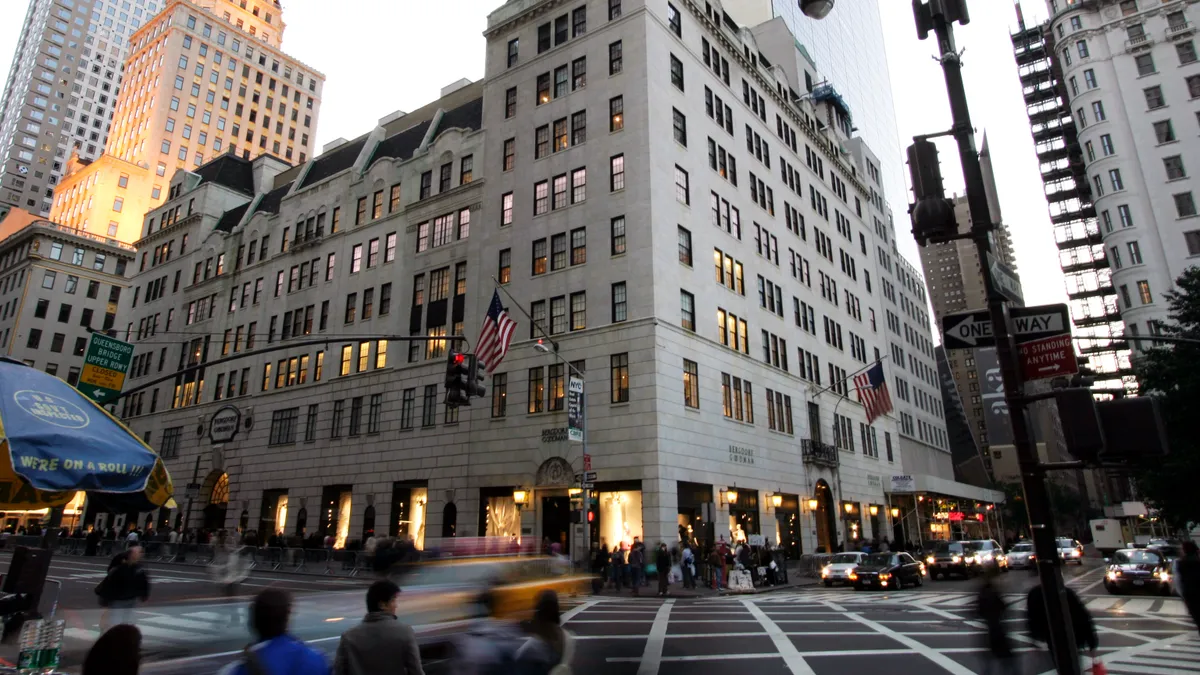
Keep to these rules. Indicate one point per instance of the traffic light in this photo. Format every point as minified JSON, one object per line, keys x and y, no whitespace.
{"x":476,"y":374}
{"x":457,"y":374}
{"x":593,"y":511}
{"x":932,"y":214}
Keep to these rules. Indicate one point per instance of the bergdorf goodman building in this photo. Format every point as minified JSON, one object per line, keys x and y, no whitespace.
{"x":610,"y":149}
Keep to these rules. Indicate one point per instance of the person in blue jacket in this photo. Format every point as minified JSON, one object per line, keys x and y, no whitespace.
{"x":276,"y":652}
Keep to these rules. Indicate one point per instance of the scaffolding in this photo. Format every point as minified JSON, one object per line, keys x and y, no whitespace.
{"x":1093,"y":300}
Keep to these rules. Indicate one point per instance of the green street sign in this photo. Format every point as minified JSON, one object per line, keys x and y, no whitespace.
{"x":104,"y":367}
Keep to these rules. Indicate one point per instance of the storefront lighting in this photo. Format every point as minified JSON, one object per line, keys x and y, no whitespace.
{"x":520,"y":497}
{"x":777,"y":500}
{"x":849,"y":507}
{"x":812,"y":504}
{"x":574,"y":492}
{"x":874,"y":510}
{"x":731,"y":496}
{"x":895,"y":512}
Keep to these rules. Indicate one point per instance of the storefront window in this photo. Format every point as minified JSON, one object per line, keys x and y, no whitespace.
{"x":408,"y":512}
{"x":620,"y":517}
{"x":787,"y":526}
{"x":503,"y":518}
{"x":693,"y":528}
{"x":743,"y":515}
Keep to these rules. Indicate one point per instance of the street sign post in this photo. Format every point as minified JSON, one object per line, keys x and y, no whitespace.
{"x":1005,"y":279}
{"x":1048,"y":357}
{"x":104,"y":366}
{"x":969,"y":330}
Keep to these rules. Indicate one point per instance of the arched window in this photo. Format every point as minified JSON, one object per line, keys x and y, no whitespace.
{"x":368,"y":530}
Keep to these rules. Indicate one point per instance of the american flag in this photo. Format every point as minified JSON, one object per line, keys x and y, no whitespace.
{"x":497,"y":334}
{"x":873,"y":392}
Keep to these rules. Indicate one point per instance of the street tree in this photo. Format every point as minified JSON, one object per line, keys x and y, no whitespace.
{"x":1172,"y":373}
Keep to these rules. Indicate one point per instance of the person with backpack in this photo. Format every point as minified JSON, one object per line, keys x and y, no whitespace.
{"x":276,"y":652}
{"x":549,"y":649}
{"x":380,"y":645}
{"x":125,"y":584}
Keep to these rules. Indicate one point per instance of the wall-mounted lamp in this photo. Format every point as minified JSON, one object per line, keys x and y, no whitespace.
{"x":849,"y":506}
{"x":812,"y":504}
{"x":520,"y":497}
{"x":874,"y":510}
{"x":574,"y":492}
{"x":777,"y":500}
{"x":895,"y":512}
{"x":731,"y":496}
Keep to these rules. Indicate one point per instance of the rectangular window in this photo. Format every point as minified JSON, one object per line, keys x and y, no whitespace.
{"x":687,"y":307}
{"x":510,"y":154}
{"x":407,"y":405}
{"x":679,"y":126}
{"x":539,"y":257}
{"x":616,"y":113}
{"x":1154,"y":97}
{"x":1174,"y":167}
{"x":615,"y":58}
{"x":283,"y":426}
{"x":691,"y":384}
{"x":1185,"y":205}
{"x":685,"y":246}
{"x":676,"y":72}
{"x":1145,"y":64}
{"x":429,"y":406}
{"x":506,"y":209}
{"x":499,"y":386}
{"x":504,"y":274}
{"x":541,"y":198}
{"x":394,"y":198}
{"x":537,"y":390}
{"x":578,"y":185}
{"x":617,"y":173}
{"x":617,"y":235}
{"x":510,"y":103}
{"x":1164,"y":131}
{"x":682,"y":186}
{"x":1144,"y":292}
{"x":619,"y":377}
{"x":674,"y":20}
{"x":619,"y":305}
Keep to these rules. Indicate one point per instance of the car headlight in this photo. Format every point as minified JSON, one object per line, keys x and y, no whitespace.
{"x":1076,"y":553}
{"x":922,"y":568}
{"x":1113,"y":574}
{"x":929,"y":559}
{"x":1164,"y":575}
{"x":986,"y":556}
{"x":955,"y":559}
{"x":884,"y":576}
{"x":852,"y":576}
{"x":825,"y":571}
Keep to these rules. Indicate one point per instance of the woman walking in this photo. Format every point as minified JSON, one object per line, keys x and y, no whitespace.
{"x":229,"y":569}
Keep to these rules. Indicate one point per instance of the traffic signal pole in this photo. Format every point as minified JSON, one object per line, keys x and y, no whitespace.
{"x":939,"y":15}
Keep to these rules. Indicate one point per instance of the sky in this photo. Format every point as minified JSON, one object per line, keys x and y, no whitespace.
{"x":390,"y":55}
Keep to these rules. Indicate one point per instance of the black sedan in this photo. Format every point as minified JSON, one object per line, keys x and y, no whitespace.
{"x":887,"y":570}
{"x":952,"y":557}
{"x":1137,"y":569}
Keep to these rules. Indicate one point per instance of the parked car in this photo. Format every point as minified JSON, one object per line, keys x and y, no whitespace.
{"x":951,"y":557}
{"x":989,"y":552}
{"x":887,"y":570}
{"x":1137,"y":569}
{"x":838,"y":570}
{"x":1070,"y":550}
{"x":1021,"y":556}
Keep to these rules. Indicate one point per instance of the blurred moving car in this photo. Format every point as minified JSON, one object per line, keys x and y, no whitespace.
{"x":1137,"y":569}
{"x":1070,"y":550}
{"x":989,"y":552}
{"x":1021,"y":556}
{"x":951,"y":557}
{"x":887,"y":570}
{"x":840,"y":566}
{"x":440,"y":598}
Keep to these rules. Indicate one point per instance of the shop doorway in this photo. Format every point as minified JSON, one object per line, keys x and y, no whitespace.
{"x":218,"y":503}
{"x":556,"y":521}
{"x":825,"y":517}
{"x":787,"y":525}
{"x":695,"y":514}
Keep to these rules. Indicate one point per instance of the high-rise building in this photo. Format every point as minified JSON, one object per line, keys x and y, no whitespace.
{"x":56,"y":284}
{"x":718,"y":356}
{"x":846,"y":50}
{"x":202,"y":78}
{"x":61,"y":89}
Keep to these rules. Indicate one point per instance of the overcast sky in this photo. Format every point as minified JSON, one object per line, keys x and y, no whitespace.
{"x":389,"y":55}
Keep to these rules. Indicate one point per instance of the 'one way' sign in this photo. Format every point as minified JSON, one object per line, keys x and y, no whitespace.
{"x":974,"y":329}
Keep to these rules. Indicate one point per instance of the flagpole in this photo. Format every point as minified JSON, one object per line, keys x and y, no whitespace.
{"x":527,"y":315}
{"x":866,"y":367}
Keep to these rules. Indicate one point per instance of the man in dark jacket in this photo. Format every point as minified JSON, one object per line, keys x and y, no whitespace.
{"x":380,"y":645}
{"x":662,"y":560}
{"x":1187,"y":579}
{"x":1081,"y":620}
{"x":126,"y":583}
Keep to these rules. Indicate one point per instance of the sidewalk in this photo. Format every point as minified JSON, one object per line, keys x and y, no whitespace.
{"x":796,"y":580}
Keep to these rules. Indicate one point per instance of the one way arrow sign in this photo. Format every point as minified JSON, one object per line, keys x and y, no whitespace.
{"x":974,"y":329}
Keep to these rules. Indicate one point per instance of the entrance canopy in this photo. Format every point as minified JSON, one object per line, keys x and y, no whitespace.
{"x":924,"y":483}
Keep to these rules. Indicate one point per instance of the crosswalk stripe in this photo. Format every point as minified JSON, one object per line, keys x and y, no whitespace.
{"x":1137,"y":669}
{"x":181,"y":622}
{"x":1101,"y":603}
{"x":1156,"y":659}
{"x":1138,"y":606}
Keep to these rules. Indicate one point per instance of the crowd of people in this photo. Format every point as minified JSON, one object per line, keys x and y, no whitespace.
{"x":630,"y":566}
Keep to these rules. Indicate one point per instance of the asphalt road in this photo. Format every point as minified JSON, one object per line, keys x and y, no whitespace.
{"x":809,"y":630}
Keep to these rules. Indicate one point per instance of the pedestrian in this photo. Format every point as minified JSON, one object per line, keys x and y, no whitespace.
{"x":549,"y":648}
{"x":276,"y":652}
{"x":489,"y":647}
{"x":717,"y":564}
{"x":991,"y":607}
{"x":1081,"y":619}
{"x":637,"y":567}
{"x":229,"y":569}
{"x":616,"y":567}
{"x":91,"y":545}
{"x":117,"y":652}
{"x":1187,"y":579}
{"x":687,"y":560}
{"x":884,"y":547}
{"x":125,"y":583}
{"x":662,"y":561}
{"x":380,"y":645}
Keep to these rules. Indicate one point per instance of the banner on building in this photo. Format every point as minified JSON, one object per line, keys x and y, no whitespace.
{"x":905,"y":483}
{"x":575,"y":409}
{"x":991,"y":393}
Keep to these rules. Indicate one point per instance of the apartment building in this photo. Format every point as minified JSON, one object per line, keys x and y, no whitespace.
{"x":586,"y":179}
{"x":62,"y":86}
{"x":57,"y":284}
{"x":201,"y":79}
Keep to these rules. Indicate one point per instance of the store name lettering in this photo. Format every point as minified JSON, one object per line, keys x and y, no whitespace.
{"x":554,"y":435}
{"x":740,"y":455}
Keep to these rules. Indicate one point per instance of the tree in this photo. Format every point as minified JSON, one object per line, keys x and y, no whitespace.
{"x":1172,"y":374}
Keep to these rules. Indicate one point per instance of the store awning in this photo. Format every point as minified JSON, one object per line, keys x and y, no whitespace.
{"x":941,"y":486}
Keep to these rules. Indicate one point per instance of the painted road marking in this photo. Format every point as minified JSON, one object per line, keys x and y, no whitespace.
{"x":652,"y":654}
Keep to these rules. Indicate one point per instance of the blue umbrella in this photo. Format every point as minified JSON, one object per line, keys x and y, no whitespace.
{"x":59,"y":441}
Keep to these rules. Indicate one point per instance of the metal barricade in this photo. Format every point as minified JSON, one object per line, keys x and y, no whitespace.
{"x":810,"y":564}
{"x":202,"y":554}
{"x":363,"y":562}
{"x":341,"y":562}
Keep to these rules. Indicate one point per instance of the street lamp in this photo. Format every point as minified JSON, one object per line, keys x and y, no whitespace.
{"x":816,"y":9}
{"x":895,"y":512}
